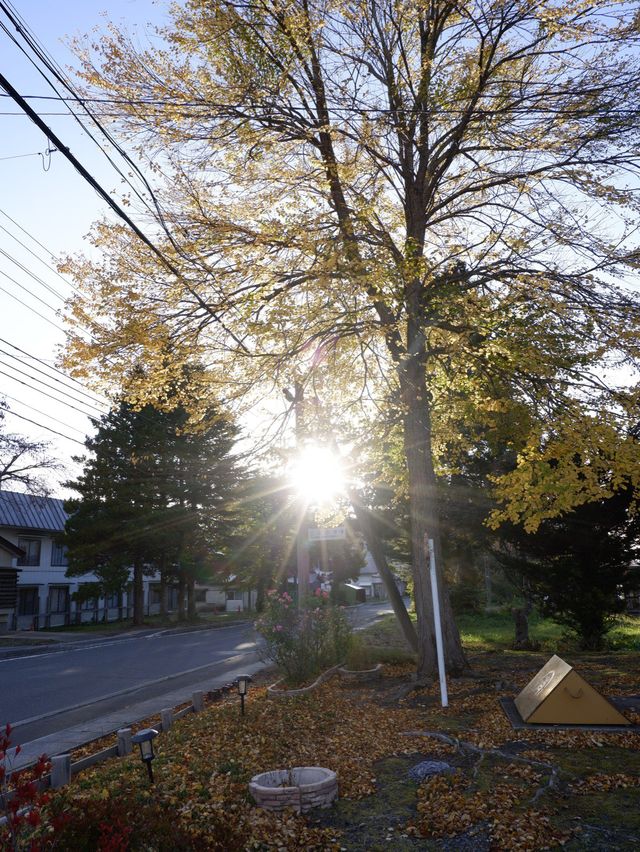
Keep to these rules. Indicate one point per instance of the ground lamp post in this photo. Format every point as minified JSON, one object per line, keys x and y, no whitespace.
{"x":242,"y":682}
{"x":145,"y":740}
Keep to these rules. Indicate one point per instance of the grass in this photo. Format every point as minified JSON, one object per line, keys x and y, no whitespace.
{"x":495,"y":631}
{"x":484,"y":632}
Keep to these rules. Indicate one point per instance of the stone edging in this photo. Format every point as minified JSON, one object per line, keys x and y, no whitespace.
{"x":302,"y":788}
{"x":274,"y":692}
{"x":358,"y":675}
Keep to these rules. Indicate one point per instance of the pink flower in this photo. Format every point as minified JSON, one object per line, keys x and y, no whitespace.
{"x":278,"y":627}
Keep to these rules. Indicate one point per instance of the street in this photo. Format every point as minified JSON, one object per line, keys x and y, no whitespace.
{"x":49,"y":690}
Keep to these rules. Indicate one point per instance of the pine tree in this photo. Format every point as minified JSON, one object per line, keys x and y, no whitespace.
{"x":152,"y":496}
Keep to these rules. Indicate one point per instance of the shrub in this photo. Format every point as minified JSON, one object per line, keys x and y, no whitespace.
{"x":303,"y":642}
{"x":21,"y":801}
{"x":121,"y":823}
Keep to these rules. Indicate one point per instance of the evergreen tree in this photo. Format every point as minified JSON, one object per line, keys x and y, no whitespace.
{"x":154,"y":495}
{"x":578,"y":565}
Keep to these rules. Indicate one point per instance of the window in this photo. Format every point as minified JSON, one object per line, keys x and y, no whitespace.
{"x":155,"y":595}
{"x":59,"y":554}
{"x":31,"y":547}
{"x":58,"y":599}
{"x":28,"y":601}
{"x":113,"y":600}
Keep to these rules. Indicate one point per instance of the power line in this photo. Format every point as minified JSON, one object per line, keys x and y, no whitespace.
{"x":42,"y":426}
{"x":44,"y":414}
{"x":96,"y":397}
{"x":38,"y":258}
{"x":51,"y":378}
{"x":28,"y":307}
{"x":44,"y":393}
{"x":35,"y":277}
{"x":31,"y":252}
{"x":30,"y":292}
{"x":6,"y":85}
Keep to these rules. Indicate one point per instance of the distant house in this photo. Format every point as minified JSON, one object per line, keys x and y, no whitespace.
{"x":35,"y":593}
{"x":370,"y":580}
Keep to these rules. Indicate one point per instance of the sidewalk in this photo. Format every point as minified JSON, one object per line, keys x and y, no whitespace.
{"x":85,"y":732}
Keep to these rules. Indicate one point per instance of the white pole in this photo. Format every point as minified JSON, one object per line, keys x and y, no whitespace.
{"x":438,"y":625}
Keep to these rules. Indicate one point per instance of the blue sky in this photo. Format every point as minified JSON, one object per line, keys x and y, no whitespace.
{"x":54,"y":205}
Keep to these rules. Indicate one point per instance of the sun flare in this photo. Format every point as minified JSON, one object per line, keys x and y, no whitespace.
{"x":318,"y":475}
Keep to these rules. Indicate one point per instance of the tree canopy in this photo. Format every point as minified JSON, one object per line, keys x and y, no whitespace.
{"x":388,"y":197}
{"x":153,"y":497}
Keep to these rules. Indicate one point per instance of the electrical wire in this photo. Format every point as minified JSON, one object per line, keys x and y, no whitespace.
{"x":30,"y":292}
{"x":51,"y":378}
{"x":38,"y":411}
{"x":95,"y":397}
{"x":44,"y":393}
{"x":42,"y":426}
{"x":32,"y":275}
{"x":29,"y":307}
{"x":33,"y":253}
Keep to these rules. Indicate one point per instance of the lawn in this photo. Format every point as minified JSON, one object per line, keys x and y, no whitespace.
{"x":507,"y":789}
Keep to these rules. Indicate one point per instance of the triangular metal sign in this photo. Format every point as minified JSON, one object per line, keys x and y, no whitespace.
{"x":558,"y":695}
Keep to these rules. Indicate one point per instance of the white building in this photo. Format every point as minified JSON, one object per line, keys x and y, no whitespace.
{"x":370,"y":580}
{"x":28,"y":527}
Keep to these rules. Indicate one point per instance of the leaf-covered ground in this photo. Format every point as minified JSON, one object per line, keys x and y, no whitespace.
{"x":520,"y":790}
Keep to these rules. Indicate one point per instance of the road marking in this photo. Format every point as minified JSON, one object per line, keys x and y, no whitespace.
{"x":146,"y":685}
{"x":63,"y":650}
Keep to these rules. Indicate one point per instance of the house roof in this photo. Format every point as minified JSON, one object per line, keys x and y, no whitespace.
{"x":26,"y":511}
{"x":11,"y":548}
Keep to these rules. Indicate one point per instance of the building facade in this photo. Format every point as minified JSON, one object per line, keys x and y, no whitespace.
{"x":42,"y":594}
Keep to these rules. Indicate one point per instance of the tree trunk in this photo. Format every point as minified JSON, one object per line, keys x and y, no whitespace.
{"x":164,"y":596}
{"x":191,"y":598}
{"x":182,"y":585}
{"x":425,"y":523}
{"x":138,"y":593}
{"x":164,"y":591}
{"x":521,"y":624}
{"x":374,"y":545}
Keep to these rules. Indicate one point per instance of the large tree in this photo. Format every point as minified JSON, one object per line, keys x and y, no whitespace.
{"x":376,"y":192}
{"x":154,"y":495}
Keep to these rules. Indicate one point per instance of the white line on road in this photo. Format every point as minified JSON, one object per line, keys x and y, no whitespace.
{"x":59,"y":651}
{"x":130,"y":689}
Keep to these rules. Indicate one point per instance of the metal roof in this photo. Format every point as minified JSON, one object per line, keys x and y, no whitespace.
{"x":26,"y":511}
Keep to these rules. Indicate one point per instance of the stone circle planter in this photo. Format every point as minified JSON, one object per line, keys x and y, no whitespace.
{"x":302,"y":788}
{"x":361,"y":675}
{"x":274,"y":692}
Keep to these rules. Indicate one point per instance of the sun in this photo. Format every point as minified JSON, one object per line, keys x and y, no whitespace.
{"x":318,"y":475}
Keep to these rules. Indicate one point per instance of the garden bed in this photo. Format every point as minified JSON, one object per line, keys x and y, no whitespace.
{"x":512,"y":790}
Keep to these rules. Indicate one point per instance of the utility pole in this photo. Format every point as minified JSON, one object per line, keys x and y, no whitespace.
{"x":302,"y":545}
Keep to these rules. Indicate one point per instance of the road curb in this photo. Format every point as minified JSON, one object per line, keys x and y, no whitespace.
{"x":72,"y":707}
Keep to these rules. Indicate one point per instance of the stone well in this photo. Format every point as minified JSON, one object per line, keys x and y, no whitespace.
{"x":302,"y":788}
{"x":361,"y":675}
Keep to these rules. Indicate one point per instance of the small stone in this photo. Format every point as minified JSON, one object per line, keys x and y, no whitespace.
{"x":429,"y":767}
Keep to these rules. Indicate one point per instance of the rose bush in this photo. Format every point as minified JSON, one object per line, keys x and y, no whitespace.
{"x":302,"y":643}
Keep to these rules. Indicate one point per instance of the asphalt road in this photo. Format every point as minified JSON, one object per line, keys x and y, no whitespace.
{"x":48,"y":690}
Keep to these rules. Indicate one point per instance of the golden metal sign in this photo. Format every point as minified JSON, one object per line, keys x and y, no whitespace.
{"x":558,"y":695}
